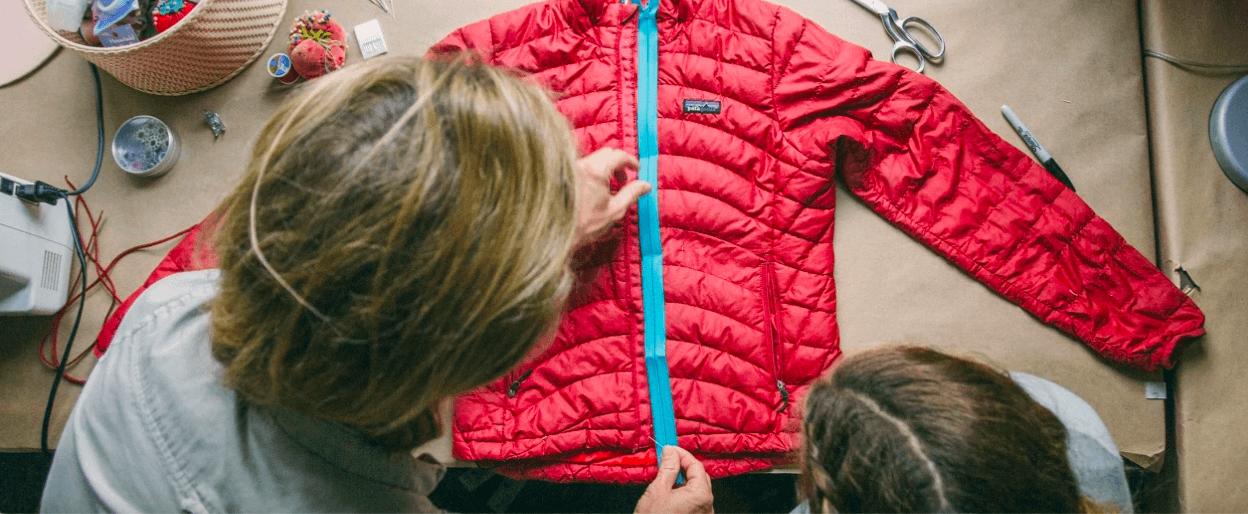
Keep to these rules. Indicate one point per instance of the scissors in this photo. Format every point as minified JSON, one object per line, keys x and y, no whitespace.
{"x":897,"y":29}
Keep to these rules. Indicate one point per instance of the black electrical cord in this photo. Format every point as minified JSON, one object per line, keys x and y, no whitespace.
{"x":82,"y":258}
{"x":99,"y":129}
{"x":60,"y":367}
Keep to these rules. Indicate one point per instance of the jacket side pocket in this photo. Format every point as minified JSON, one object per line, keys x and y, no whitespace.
{"x":771,"y":332}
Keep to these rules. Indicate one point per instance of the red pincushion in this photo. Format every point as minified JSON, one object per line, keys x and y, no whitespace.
{"x":311,"y":59}
{"x":318,"y":44}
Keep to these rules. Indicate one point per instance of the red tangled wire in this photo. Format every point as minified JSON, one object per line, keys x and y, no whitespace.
{"x":92,"y":250}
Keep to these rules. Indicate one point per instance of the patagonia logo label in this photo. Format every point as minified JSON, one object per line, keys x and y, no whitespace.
{"x":702,"y":106}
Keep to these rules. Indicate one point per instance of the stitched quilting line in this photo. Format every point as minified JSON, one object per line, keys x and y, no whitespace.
{"x":807,"y":308}
{"x":498,"y":444}
{"x":581,"y":425}
{"x":708,"y":196}
{"x":509,"y":421}
{"x":530,"y":453}
{"x":1076,"y":234}
{"x":722,"y":167}
{"x":569,"y":312}
{"x":675,"y":53}
{"x":760,"y":187}
{"x":763,"y":371}
{"x":596,"y":58}
{"x":592,"y":340}
{"x":952,"y":249}
{"x":725,"y":316}
{"x":570,"y":96}
{"x":784,"y":70}
{"x":715,"y":23}
{"x":761,"y":150}
{"x":725,"y":281}
{"x":672,"y":226}
{"x":596,"y":124}
{"x":507,"y":439}
{"x":775,"y":103}
{"x":995,"y":206}
{"x":765,"y":403}
{"x":557,"y":389}
{"x":827,"y":273}
{"x":764,"y":223}
{"x":565,"y":386}
{"x":497,"y":50}
{"x":996,"y":203}
{"x":735,"y":137}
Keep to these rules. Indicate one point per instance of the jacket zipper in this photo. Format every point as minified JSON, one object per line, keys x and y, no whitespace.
{"x":662,"y":411}
{"x":514,"y":388}
{"x":771,"y":299}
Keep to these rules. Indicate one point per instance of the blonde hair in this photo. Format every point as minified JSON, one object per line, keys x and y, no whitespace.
{"x":402,"y":235}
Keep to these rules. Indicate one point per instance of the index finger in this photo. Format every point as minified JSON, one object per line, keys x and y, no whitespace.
{"x":611,"y":159}
{"x":690,"y":464}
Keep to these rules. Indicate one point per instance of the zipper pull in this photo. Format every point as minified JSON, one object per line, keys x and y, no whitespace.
{"x":784,"y":396}
{"x":515,"y":386}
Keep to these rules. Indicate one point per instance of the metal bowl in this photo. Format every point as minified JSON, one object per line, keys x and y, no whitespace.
{"x":144,"y":146}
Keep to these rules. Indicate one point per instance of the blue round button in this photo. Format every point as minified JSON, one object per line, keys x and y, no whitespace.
{"x":1228,"y":132}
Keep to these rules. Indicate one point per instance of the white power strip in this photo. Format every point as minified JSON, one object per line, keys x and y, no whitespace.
{"x":36,"y":249}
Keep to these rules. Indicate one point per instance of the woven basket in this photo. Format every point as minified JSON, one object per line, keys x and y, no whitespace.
{"x":215,"y":41}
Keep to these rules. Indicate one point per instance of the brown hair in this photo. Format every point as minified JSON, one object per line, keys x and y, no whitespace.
{"x":402,"y":235}
{"x":910,"y":429}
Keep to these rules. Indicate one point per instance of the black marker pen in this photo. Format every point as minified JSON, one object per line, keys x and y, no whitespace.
{"x":1043,"y":155}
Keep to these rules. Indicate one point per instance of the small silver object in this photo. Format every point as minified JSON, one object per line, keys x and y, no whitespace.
{"x":385,"y":6}
{"x":214,"y":122}
{"x":145,"y":147}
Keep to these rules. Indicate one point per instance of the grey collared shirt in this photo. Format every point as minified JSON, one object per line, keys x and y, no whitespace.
{"x":155,"y":431}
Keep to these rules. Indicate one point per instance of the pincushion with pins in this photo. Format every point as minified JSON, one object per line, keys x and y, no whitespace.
{"x":318,"y":44}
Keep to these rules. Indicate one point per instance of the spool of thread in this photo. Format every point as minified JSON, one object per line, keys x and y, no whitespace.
{"x":281,"y":68}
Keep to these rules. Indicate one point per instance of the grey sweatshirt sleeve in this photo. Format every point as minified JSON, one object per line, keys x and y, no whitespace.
{"x":1091,"y":451}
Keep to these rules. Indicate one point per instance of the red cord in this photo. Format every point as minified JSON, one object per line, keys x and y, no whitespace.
{"x":92,"y":250}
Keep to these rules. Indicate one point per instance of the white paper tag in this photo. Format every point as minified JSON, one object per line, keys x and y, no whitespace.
{"x":372,"y":43}
{"x":1155,"y":390}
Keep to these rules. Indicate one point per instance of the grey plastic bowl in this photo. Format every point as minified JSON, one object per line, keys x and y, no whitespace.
{"x":1228,"y":132}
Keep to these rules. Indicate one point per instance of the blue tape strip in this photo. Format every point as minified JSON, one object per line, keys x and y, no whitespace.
{"x":653,"y":304}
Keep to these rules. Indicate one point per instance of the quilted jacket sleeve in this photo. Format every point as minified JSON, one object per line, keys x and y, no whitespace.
{"x":918,"y":157}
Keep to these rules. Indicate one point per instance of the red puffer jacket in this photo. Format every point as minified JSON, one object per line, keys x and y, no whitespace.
{"x":757,"y":110}
{"x":702,"y":322}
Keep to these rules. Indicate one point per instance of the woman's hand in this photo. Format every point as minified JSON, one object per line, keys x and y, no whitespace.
{"x":597,"y":209}
{"x":662,"y":496}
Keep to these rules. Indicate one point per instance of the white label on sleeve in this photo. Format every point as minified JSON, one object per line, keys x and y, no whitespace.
{"x":1155,"y":390}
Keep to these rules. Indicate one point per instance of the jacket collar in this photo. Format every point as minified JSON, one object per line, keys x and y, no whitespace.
{"x":613,"y":12}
